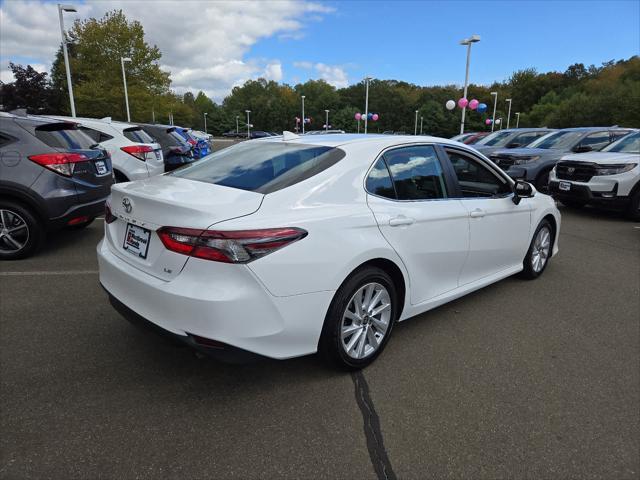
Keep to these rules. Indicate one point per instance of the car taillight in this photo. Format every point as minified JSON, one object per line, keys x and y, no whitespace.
{"x":138,"y":151}
{"x":62,"y":163}
{"x":239,"y":246}
{"x":108,"y":216}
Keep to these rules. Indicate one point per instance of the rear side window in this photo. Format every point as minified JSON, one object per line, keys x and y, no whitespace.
{"x":64,"y":136}
{"x":138,"y":135}
{"x":379,"y":181}
{"x":262,"y":167}
{"x":96,"y":135}
{"x":416,"y":173}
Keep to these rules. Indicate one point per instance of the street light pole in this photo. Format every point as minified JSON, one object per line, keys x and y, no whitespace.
{"x":303,"y":114}
{"x":517,"y":119}
{"x":421,"y":118}
{"x":467,"y":42}
{"x":326,"y":121}
{"x":248,"y":124}
{"x":508,"y":114}
{"x":366,"y":103}
{"x":67,"y":8}
{"x":205,"y":122}
{"x":237,"y":125}
{"x":124,"y":79}
{"x":415,"y":125}
{"x":495,"y":103}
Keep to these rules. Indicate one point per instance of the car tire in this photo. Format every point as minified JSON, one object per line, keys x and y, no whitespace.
{"x":540,"y":251}
{"x":28,"y":231}
{"x":542,"y":182}
{"x":634,"y":207}
{"x":353,"y":339}
{"x":573,"y":203}
{"x":80,"y":226}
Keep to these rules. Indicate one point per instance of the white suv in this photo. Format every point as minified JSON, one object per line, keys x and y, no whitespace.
{"x":610,"y":177}
{"x":134,"y":154}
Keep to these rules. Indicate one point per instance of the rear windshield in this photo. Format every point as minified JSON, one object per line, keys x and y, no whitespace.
{"x":138,"y":135}
{"x":262,"y":167}
{"x":64,"y":136}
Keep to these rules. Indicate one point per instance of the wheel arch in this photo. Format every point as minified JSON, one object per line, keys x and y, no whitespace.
{"x":19,"y":196}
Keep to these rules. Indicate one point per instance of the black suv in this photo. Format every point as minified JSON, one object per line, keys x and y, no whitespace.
{"x":52,"y":175}
{"x":175,"y":149}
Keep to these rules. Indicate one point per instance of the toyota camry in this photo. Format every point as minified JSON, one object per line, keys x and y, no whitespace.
{"x":291,"y":245}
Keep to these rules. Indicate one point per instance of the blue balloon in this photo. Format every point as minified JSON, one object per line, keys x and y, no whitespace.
{"x":369,"y":116}
{"x":482,"y":108}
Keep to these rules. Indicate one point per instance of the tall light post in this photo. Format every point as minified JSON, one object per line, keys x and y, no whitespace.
{"x":421,"y":118}
{"x":205,"y":122}
{"x":124,"y":79}
{"x":326,"y":121}
{"x":415,"y":125}
{"x":248,"y":124}
{"x":67,"y":8}
{"x":303,"y":114}
{"x":495,"y":103}
{"x":517,"y":119}
{"x":508,"y":114}
{"x":366,"y":103}
{"x":467,"y":41}
{"x":237,"y":125}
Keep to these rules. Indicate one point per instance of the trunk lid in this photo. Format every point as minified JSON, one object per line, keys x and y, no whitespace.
{"x":144,"y":206}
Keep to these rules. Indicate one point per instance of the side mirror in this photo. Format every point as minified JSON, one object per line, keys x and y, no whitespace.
{"x":522,"y":190}
{"x":582,"y":149}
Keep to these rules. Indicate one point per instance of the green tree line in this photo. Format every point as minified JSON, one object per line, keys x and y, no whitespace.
{"x":579,"y":96}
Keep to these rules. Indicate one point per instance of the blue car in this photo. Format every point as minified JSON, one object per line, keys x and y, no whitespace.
{"x":200,"y":146}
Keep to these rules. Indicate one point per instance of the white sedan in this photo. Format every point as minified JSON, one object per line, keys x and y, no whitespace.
{"x":290,"y":245}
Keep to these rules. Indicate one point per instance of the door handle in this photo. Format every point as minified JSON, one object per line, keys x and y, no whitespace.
{"x":400,"y":220}
{"x":477,"y":213}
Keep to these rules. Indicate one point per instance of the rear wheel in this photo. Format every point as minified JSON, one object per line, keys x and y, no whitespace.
{"x":21,"y":233}
{"x":539,"y":252}
{"x":360,"y":319}
{"x":573,"y":203}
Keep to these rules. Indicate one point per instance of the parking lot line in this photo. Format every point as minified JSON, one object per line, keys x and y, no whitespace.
{"x":46,"y":273}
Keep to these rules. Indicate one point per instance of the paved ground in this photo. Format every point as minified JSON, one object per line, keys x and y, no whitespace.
{"x":523,"y":379}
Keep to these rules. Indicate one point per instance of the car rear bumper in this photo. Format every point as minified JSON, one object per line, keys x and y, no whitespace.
{"x":90,"y":210}
{"x":220,"y":302}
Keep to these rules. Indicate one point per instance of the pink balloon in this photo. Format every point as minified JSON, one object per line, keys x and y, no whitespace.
{"x":358,"y":116}
{"x":463,"y":102}
{"x":473,"y":104}
{"x":375,"y":117}
{"x":487,"y":121}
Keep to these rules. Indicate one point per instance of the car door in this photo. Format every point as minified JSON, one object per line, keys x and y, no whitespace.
{"x":408,"y":193}
{"x":499,"y":229}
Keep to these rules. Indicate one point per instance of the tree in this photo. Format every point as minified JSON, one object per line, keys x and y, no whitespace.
{"x":30,"y":90}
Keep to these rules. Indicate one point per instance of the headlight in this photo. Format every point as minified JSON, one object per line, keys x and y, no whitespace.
{"x":523,"y":160}
{"x":616,"y":169}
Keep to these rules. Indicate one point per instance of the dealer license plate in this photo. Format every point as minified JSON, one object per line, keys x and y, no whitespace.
{"x":136,"y":240}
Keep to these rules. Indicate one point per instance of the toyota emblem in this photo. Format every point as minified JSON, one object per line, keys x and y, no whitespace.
{"x":126,"y":203}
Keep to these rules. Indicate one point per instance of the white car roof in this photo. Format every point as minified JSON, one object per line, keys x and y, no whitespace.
{"x":121,"y":126}
{"x":337,"y":140}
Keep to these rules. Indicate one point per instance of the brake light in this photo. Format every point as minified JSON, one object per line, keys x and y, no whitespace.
{"x":108,"y":216}
{"x":62,"y":163}
{"x":138,"y":151}
{"x":240,"y":246}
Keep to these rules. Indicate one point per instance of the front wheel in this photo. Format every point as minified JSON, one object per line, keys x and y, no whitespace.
{"x":539,"y":251}
{"x":634,"y":207}
{"x":360,"y":319}
{"x":21,"y":233}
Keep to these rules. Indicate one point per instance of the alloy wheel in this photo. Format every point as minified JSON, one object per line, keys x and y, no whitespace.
{"x":365,"y":321}
{"x":541,"y":249}
{"x":14,"y":232}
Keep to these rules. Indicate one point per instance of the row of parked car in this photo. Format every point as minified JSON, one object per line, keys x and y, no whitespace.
{"x":73,"y":163}
{"x":578,"y":166}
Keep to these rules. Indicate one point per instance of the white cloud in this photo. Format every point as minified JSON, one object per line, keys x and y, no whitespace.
{"x":204,"y":44}
{"x":332,"y":74}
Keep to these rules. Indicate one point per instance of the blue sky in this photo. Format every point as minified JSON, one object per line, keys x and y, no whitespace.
{"x":215,"y":45}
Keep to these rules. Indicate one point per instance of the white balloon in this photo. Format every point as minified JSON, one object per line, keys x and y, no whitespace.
{"x":450,"y":105}
{"x":498,"y":121}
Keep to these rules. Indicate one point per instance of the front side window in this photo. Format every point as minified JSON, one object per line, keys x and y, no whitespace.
{"x":475,"y":179}
{"x":495,"y":139}
{"x":597,"y":141}
{"x":562,"y":140}
{"x":416,"y":173}
{"x":627,"y":144}
{"x":525,"y":139}
{"x":379,"y":181}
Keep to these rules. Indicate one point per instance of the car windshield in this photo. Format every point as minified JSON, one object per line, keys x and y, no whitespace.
{"x":496,"y":139}
{"x":560,"y":140}
{"x":627,"y":144}
{"x":262,"y":167}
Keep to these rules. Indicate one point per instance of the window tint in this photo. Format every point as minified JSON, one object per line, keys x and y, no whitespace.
{"x":596,"y":141}
{"x":416,"y":173}
{"x":262,"y":167}
{"x":627,"y":144}
{"x":562,"y":140}
{"x":64,"y":136}
{"x":525,"y":139}
{"x":379,"y":181}
{"x":95,"y":134}
{"x":495,"y":139}
{"x":475,"y":179}
{"x":138,"y":135}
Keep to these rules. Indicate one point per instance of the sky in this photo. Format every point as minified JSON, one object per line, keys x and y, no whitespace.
{"x":216,"y":45}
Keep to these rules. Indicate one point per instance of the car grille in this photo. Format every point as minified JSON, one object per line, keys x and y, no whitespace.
{"x":576,"y":171}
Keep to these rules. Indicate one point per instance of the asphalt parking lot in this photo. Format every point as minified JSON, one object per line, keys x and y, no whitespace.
{"x":522,"y":379}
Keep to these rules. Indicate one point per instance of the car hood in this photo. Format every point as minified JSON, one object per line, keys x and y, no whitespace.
{"x":530,"y":152}
{"x":603,"y":158}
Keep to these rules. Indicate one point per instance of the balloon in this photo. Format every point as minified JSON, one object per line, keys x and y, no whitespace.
{"x":375,"y":117}
{"x":482,"y":108}
{"x":450,"y":105}
{"x":498,"y":121}
{"x":463,"y":102}
{"x":473,"y":104}
{"x":358,"y":116}
{"x":369,"y":116}
{"x":487,"y":121}
{"x":297,"y":119}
